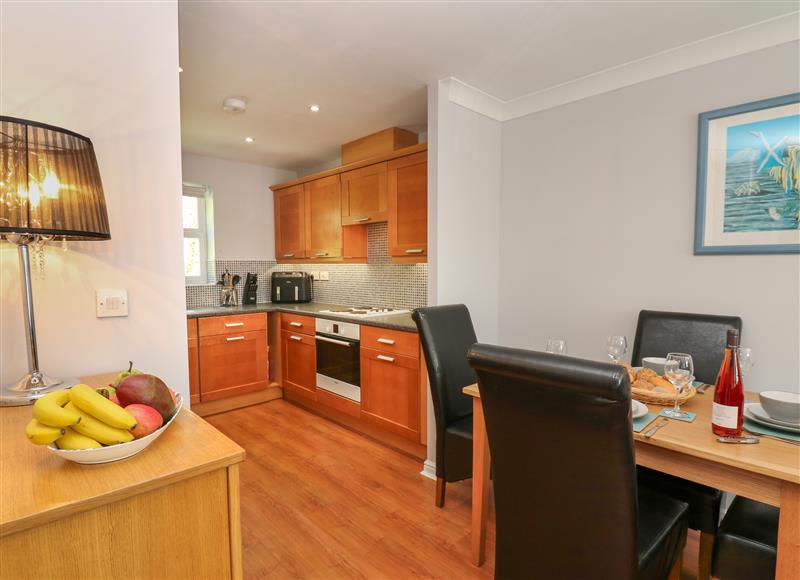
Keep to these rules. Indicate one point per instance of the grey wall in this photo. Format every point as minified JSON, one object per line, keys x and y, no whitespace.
{"x":598,"y":201}
{"x":464,"y":209}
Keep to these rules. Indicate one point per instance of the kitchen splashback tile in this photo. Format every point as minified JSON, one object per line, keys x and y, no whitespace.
{"x":377,"y":283}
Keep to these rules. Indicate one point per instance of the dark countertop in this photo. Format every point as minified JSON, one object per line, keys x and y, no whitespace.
{"x":395,"y":322}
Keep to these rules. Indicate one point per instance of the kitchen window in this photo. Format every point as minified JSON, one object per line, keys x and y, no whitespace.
{"x":198,"y":235}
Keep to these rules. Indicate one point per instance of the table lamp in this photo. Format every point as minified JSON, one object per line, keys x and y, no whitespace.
{"x":50,"y":189}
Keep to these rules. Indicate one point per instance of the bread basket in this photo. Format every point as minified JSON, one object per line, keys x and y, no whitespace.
{"x":661,"y":398}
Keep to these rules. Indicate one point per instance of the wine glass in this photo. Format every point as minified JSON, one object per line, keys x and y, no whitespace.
{"x":556,"y":346}
{"x":616,"y":347}
{"x":679,"y":370}
{"x":746,"y":360}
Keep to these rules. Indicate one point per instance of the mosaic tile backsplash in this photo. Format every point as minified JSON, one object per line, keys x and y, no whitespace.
{"x":377,"y":283}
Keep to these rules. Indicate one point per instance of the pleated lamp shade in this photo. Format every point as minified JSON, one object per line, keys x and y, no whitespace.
{"x":49,"y":183}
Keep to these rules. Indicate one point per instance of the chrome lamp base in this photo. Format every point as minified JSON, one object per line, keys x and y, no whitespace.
{"x":35,"y":383}
{"x":30,"y":387}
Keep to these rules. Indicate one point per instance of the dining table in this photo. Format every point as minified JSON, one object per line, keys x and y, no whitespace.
{"x":768,"y":472}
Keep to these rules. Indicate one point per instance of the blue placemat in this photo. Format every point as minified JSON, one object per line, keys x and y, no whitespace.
{"x":644,"y":421}
{"x":689,"y":419}
{"x":759,"y":429}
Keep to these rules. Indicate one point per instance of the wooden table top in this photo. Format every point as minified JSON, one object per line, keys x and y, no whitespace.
{"x":771,"y":458}
{"x":37,"y":486}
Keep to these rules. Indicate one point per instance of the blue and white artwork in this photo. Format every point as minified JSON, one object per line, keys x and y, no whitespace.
{"x":748,"y":179}
{"x":762,"y":176}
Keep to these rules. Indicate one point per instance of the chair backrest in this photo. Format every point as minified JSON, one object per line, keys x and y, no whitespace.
{"x":561,"y":442}
{"x":701,"y":335}
{"x":447,"y":334}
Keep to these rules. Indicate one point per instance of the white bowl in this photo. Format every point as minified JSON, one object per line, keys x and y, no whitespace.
{"x":655,"y":363}
{"x":781,"y":405}
{"x":118,"y":451}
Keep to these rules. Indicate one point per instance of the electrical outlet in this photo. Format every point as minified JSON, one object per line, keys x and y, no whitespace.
{"x":111,"y":303}
{"x":324,"y":276}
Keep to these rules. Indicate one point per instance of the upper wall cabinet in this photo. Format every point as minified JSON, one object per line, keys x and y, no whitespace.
{"x":364,"y":195}
{"x":290,"y":223}
{"x":323,"y":218}
{"x":408,"y":207}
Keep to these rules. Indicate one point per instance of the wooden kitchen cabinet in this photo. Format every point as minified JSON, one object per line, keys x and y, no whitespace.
{"x":408,"y":207}
{"x":323,"y":227}
{"x":365,"y":195}
{"x":299,"y":363}
{"x":290,"y":223}
{"x":390,"y":392}
{"x":233,"y":364}
{"x":194,"y":361}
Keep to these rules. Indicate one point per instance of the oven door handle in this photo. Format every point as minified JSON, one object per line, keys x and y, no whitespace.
{"x":334,"y":341}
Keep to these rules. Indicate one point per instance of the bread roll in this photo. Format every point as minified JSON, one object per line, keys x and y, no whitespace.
{"x":662,"y":383}
{"x":642,"y":384}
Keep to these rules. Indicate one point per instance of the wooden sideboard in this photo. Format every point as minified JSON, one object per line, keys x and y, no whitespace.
{"x":171,"y":511}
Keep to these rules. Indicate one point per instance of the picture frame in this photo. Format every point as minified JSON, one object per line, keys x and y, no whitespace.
{"x":748,"y":179}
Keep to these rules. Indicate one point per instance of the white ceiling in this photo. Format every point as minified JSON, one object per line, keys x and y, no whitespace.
{"x":367,"y":64}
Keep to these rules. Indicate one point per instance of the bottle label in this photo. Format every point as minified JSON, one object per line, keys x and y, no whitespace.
{"x":725,"y":416}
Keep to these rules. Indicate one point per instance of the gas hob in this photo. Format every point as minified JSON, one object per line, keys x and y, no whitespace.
{"x":364,"y":311}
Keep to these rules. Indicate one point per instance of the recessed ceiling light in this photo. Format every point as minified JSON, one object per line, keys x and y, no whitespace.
{"x":248,"y":139}
{"x":314,"y":108}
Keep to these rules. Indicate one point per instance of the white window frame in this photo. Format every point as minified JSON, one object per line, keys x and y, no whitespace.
{"x":205,"y":231}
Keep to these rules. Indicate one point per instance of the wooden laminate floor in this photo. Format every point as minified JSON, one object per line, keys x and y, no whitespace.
{"x":320,"y":501}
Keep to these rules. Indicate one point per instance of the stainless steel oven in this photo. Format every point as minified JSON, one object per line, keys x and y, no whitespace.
{"x":338,"y":362}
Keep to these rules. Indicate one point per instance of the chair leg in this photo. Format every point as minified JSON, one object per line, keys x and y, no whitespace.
{"x":675,"y":573}
{"x":440,"y":485}
{"x":706,"y":551}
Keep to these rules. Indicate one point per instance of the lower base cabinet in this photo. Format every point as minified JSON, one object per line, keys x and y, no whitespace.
{"x":299,"y":362}
{"x":390,"y":392}
{"x":233,"y":364}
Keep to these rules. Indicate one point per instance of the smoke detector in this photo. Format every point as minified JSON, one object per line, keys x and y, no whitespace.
{"x":234,"y":105}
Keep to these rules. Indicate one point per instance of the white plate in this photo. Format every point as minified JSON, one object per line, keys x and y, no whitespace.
{"x":114,"y":452}
{"x":639,"y":409}
{"x":755,"y":412}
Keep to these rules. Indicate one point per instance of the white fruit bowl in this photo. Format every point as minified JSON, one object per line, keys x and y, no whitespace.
{"x":118,"y":451}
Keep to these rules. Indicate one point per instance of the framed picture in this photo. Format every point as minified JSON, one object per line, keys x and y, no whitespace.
{"x":748,"y":179}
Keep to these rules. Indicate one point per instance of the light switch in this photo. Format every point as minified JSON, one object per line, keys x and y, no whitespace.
{"x":112,"y":303}
{"x":324,"y":276}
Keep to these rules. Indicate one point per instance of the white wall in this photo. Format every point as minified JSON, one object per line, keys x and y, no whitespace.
{"x":108,"y":71}
{"x":244,"y":223}
{"x":464,"y":176}
{"x":598,"y":201}
{"x":464,"y":209}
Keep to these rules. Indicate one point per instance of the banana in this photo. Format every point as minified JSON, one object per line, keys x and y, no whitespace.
{"x":42,"y":434}
{"x":49,"y":410}
{"x":73,"y":440}
{"x":96,"y":429}
{"x":90,"y":401}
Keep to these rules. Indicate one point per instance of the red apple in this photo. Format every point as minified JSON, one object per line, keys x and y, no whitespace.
{"x":147,"y":419}
{"x":113,"y":398}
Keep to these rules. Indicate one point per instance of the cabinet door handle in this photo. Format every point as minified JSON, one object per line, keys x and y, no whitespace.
{"x":288,"y":255}
{"x":385,"y":358}
{"x":297,"y":324}
{"x":232,"y":338}
{"x":321,"y":254}
{"x":415,"y":251}
{"x":364,"y":219}
{"x":385,"y":341}
{"x":232,"y":324}
{"x":293,"y":337}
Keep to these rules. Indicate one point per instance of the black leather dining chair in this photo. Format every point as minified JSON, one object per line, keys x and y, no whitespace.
{"x":447,"y":334}
{"x":746,"y":547}
{"x":703,"y":336}
{"x":566,"y":498}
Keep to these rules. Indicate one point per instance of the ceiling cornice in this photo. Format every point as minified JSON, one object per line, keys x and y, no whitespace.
{"x":758,"y":36}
